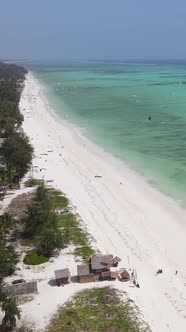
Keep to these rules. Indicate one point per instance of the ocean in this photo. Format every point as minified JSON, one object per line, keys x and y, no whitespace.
{"x":136,"y":111}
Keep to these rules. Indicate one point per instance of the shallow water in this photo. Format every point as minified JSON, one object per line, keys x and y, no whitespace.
{"x":112,"y":103}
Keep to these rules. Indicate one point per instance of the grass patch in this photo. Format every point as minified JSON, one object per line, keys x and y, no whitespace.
{"x":69,"y":224}
{"x":33,"y":182}
{"x":73,"y":232}
{"x":85,"y":252}
{"x":98,"y":310}
{"x":32,"y":258}
{"x":67,"y":220}
{"x":57,"y":199}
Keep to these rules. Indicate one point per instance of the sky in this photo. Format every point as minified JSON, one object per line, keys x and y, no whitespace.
{"x":92,"y":29}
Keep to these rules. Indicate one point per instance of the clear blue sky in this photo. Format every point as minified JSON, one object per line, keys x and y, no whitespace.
{"x":38,"y":29}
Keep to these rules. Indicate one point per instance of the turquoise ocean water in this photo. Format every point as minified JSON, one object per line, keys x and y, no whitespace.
{"x":112,"y":102}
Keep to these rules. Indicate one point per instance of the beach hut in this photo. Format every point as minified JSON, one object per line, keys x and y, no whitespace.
{"x":101,"y":263}
{"x":124,"y":276}
{"x":84,"y":275}
{"x":62,"y":277}
{"x":109,"y":275}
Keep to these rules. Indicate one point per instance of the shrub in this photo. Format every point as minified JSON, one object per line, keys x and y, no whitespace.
{"x":8,"y":259}
{"x":57,"y":199}
{"x":11,"y":310}
{"x":32,"y":258}
{"x":33,"y":182}
{"x":50,"y":239}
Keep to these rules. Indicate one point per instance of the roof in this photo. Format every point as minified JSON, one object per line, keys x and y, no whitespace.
{"x":64,"y":273}
{"x":114,"y":274}
{"x":101,"y":262}
{"x":83,"y":270}
{"x":125,"y":274}
{"x":117,"y":259}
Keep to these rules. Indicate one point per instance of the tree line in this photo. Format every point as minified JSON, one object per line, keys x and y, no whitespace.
{"x":15,"y":149}
{"x":15,"y":159}
{"x":8,"y":260}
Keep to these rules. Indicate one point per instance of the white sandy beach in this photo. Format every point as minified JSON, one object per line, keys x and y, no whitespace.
{"x":130,"y":220}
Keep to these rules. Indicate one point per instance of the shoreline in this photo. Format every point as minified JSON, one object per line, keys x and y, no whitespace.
{"x":122,"y":165}
{"x":154,"y":177}
{"x":131,"y":220}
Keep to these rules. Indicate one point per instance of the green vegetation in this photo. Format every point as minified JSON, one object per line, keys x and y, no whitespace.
{"x":85,"y":252}
{"x":29,"y":242}
{"x":6,"y":223}
{"x":73,"y":232}
{"x":8,"y":257}
{"x":9,"y":307}
{"x":51,"y":239}
{"x":33,"y":182}
{"x":40,"y":215}
{"x":15,"y":149}
{"x":32,"y":258}
{"x":15,"y":159}
{"x":11,"y":72}
{"x":57,"y":200}
{"x":17,"y":154}
{"x":8,"y":261}
{"x":98,"y":310}
{"x":10,"y":116}
{"x":40,"y":225}
{"x":46,"y":230}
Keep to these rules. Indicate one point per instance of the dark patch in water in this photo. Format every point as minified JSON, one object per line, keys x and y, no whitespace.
{"x":164,"y":83}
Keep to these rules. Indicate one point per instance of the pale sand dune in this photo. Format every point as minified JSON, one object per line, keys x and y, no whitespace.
{"x":131,"y":220}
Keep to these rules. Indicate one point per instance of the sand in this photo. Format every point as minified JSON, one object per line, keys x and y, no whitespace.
{"x":124,"y":214}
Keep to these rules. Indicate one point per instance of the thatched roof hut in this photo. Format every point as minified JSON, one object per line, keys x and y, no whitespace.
{"x":83,"y":270}
{"x":101,"y":262}
{"x":62,"y":276}
{"x":125,"y":276}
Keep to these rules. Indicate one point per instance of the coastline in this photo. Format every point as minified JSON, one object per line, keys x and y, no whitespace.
{"x":131,"y":220}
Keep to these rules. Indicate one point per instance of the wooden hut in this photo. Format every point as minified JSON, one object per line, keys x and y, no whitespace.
{"x":84,"y":275}
{"x":62,"y":277}
{"x":109,"y":275}
{"x":101,"y":263}
{"x":124,"y":276}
